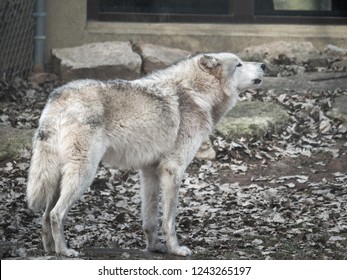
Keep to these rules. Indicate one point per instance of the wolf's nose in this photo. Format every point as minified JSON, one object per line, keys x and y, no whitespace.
{"x":263,"y":66}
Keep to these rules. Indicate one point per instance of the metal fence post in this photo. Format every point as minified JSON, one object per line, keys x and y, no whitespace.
{"x":39,"y":38}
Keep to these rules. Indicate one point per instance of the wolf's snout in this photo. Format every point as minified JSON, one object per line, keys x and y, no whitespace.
{"x":263,"y":66}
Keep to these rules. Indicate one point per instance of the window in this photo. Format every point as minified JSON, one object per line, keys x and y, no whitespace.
{"x":220,"y":11}
{"x":328,"y":8}
{"x":160,"y":10}
{"x":204,"y":7}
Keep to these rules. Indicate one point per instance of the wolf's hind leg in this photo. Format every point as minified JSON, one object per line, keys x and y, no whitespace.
{"x":75,"y":180}
{"x":78,"y":172}
{"x":47,"y":237}
{"x":149,"y":209}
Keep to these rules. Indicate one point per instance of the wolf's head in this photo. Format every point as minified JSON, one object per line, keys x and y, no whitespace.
{"x":233,"y":73}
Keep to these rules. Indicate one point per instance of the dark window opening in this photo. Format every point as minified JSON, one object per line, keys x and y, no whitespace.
{"x":220,"y":11}
{"x":205,"y":7}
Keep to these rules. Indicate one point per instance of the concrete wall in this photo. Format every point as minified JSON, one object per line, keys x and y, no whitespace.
{"x":67,"y":26}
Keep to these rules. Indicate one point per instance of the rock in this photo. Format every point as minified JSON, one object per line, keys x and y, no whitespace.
{"x":280,"y":52}
{"x":340,"y":65}
{"x":253,"y":118}
{"x":158,"y":57}
{"x":14,"y":142}
{"x":324,"y":127}
{"x":306,"y":81}
{"x":206,"y":151}
{"x":335,"y":53}
{"x":316,"y":61}
{"x":4,"y":248}
{"x":339,"y":109}
{"x":40,"y":78}
{"x":282,"y":59}
{"x":108,"y":60}
{"x":297,"y":69}
{"x":272,"y":70}
{"x":338,"y":57}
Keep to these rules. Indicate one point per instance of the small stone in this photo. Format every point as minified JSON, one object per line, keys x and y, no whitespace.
{"x":257,"y":242}
{"x":324,"y":126}
{"x":206,"y":151}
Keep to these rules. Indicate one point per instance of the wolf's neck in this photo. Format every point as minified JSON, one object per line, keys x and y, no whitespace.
{"x":173,"y":75}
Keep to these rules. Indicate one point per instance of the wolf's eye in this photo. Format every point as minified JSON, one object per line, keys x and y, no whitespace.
{"x":239,"y":65}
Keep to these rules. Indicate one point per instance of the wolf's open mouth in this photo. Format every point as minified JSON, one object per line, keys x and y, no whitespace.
{"x":257,"y":81}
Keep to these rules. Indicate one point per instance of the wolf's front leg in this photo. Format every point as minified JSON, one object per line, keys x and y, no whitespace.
{"x":170,"y":180}
{"x":149,"y":209}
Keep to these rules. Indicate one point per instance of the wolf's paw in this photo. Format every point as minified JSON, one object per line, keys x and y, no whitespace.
{"x":68,"y":253}
{"x":180,"y":251}
{"x":71,"y":253}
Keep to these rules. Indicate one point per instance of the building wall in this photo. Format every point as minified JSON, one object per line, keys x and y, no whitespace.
{"x":67,"y":26}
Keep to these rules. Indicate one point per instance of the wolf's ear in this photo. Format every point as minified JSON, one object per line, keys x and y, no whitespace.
{"x":209,"y":62}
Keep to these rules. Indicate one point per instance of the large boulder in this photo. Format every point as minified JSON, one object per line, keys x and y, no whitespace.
{"x":253,"y":118}
{"x":158,"y":57}
{"x":107,"y":60}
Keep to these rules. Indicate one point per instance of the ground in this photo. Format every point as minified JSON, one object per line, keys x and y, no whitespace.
{"x":279,"y":196}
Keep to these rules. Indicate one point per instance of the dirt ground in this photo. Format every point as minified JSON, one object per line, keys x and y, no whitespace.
{"x":281,"y":196}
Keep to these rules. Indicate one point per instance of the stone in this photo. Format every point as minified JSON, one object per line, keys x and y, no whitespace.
{"x":104,"y":61}
{"x":335,"y":53}
{"x":280,"y":52}
{"x":272,"y":69}
{"x":5,"y":247}
{"x":305,"y":81}
{"x":206,"y":151}
{"x":339,"y":109}
{"x":339,"y":65}
{"x":316,"y":61}
{"x":253,"y":118}
{"x":42,"y":77}
{"x":158,"y":57}
{"x":14,"y":142}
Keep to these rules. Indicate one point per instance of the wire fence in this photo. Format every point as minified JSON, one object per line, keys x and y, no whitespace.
{"x":16,"y":38}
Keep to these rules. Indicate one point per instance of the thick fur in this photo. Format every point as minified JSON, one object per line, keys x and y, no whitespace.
{"x":155,"y":124}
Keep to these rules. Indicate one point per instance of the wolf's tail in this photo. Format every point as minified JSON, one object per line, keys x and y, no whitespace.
{"x":44,"y":172}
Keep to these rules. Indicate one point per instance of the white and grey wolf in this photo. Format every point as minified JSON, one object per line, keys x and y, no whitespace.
{"x":154,"y":124}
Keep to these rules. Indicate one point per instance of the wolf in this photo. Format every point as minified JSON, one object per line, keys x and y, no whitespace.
{"x":154,"y":124}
